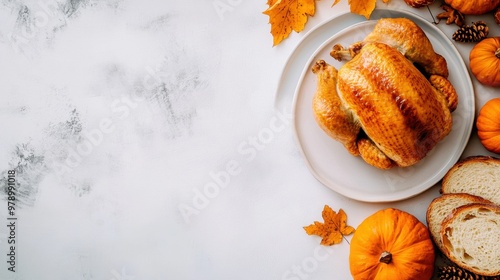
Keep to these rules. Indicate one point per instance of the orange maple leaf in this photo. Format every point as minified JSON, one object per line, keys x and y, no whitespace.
{"x":288,"y":15}
{"x":334,"y":228}
{"x":362,"y":7}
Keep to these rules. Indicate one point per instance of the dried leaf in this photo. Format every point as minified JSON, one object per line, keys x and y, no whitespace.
{"x":334,"y":228}
{"x":288,"y":15}
{"x":362,"y":7}
{"x":452,"y":16}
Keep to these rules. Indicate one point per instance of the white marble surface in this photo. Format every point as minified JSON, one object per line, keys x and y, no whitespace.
{"x":147,"y":145}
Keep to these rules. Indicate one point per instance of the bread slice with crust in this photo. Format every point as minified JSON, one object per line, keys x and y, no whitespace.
{"x":441,"y":207}
{"x":471,"y":238}
{"x":477,"y":175}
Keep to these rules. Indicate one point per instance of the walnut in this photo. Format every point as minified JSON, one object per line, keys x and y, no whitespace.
{"x":418,"y":3}
{"x":452,"y":16}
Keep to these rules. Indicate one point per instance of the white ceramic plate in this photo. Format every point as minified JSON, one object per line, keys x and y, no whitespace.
{"x":350,"y":176}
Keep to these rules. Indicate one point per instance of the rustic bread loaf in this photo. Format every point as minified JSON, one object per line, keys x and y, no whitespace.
{"x":477,"y":175}
{"x":471,"y":238}
{"x":442,"y":206}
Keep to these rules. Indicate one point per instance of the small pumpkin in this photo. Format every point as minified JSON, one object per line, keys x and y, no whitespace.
{"x":484,"y":61}
{"x":391,"y":244}
{"x":473,"y":7}
{"x":488,"y":125}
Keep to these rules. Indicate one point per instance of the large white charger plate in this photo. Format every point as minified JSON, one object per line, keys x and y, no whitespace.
{"x":328,"y":160}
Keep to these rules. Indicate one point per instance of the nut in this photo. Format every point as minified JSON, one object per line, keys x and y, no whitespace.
{"x":418,"y":3}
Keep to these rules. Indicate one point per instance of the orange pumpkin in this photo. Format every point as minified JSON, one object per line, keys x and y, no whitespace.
{"x":473,"y":7}
{"x":488,"y":125}
{"x":391,"y":244}
{"x":484,"y":61}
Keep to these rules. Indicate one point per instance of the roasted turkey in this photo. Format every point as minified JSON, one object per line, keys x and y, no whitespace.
{"x":391,"y":102}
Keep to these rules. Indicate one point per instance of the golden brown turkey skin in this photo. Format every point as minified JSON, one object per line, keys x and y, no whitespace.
{"x":328,"y":110}
{"x":397,"y":107}
{"x":406,"y":36}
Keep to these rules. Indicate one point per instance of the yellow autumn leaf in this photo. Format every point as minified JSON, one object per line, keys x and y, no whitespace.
{"x":362,"y":7}
{"x":288,"y":15}
{"x":334,"y":228}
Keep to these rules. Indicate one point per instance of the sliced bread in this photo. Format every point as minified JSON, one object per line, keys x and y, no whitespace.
{"x":477,"y":175}
{"x":471,"y":238}
{"x":442,"y":206}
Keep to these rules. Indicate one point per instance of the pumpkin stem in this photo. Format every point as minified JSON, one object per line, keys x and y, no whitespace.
{"x":497,"y":53}
{"x":385,"y":257}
